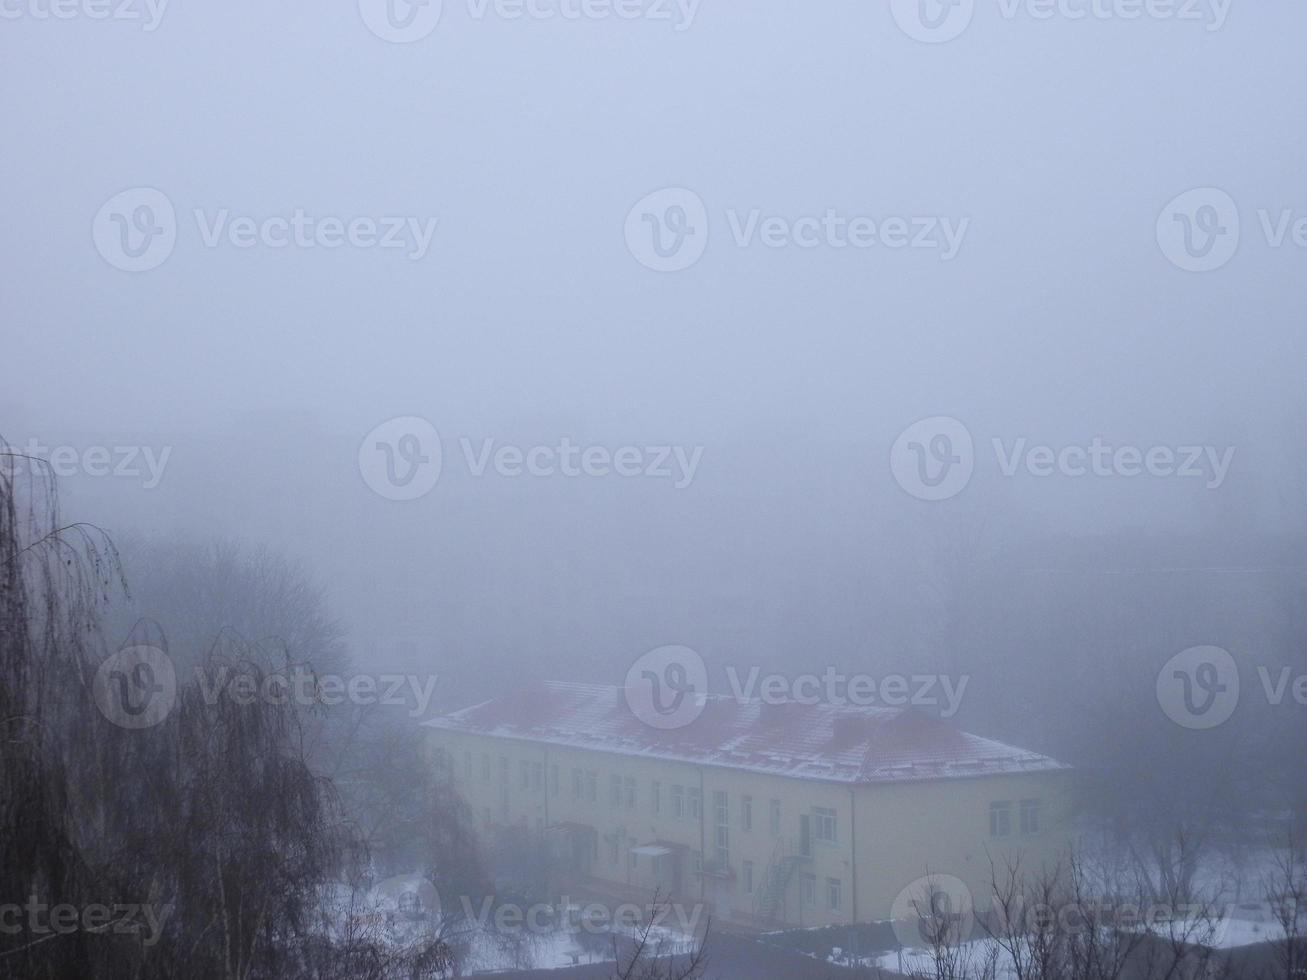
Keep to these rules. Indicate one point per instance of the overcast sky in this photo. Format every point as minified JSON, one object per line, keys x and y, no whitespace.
{"x":1056,"y":312}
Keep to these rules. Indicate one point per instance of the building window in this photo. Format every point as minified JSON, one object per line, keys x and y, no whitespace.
{"x":834,"y":894}
{"x":678,"y":802}
{"x":807,"y":890}
{"x":823,"y":821}
{"x":553,"y":780}
{"x":503,"y":771}
{"x":614,"y":790}
{"x":721,"y":830}
{"x":656,"y":799}
{"x":774,"y":817}
{"x":576,"y":784}
{"x":538,"y":776}
{"x":1000,"y":819}
{"x":524,"y":775}
{"x":630,"y":792}
{"x":722,"y":846}
{"x":696,"y":803}
{"x":592,"y":786}
{"x":746,"y":812}
{"x":485,"y":768}
{"x":746,"y":874}
{"x":1030,"y":816}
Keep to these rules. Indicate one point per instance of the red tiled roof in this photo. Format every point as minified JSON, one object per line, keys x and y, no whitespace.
{"x":809,"y":741}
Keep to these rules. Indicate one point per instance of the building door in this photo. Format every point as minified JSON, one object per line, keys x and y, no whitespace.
{"x":582,"y":852}
{"x":665,"y":874}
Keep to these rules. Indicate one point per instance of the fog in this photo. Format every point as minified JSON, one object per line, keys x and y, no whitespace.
{"x":977,"y":407}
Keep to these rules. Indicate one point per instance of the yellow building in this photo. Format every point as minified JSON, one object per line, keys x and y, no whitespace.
{"x":793,"y":814}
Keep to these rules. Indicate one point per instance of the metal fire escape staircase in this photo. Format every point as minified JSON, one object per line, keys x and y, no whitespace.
{"x":769,"y":902}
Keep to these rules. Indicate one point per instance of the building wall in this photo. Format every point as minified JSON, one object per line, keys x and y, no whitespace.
{"x":902,"y":830}
{"x":943,"y":827}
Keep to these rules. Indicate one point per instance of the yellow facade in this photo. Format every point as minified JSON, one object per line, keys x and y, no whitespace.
{"x":760,"y":849}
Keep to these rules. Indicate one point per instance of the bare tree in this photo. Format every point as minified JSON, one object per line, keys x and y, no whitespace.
{"x":649,"y":958}
{"x":211,"y":818}
{"x":1286,"y":892}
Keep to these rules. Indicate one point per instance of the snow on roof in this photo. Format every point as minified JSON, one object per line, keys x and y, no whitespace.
{"x":831,"y":743}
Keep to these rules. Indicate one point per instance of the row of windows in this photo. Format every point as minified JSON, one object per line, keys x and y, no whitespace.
{"x":686,"y":803}
{"x":1000,"y":817}
{"x":808,"y":892}
{"x":683,"y":802}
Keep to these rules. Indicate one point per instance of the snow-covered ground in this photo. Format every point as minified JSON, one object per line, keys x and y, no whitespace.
{"x":483,"y":950}
{"x":405,"y":910}
{"x":1245,"y":924}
